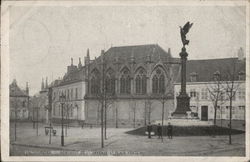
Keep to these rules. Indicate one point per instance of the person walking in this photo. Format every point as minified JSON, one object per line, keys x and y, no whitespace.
{"x":159,"y":130}
{"x":149,"y":129}
{"x":170,"y":131}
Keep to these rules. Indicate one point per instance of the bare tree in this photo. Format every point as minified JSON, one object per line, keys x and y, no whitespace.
{"x":231,"y":87}
{"x":216,"y":93}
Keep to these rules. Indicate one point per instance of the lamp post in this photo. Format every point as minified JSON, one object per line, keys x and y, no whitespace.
{"x":62,"y":100}
{"x":37,"y":114}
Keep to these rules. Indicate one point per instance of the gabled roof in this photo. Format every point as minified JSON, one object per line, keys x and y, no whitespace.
{"x":15,"y":90}
{"x":205,"y":69}
{"x":139,"y":52}
{"x":72,"y":77}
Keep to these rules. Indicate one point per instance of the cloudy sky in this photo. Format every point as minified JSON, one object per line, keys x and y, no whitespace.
{"x":43,"y":39}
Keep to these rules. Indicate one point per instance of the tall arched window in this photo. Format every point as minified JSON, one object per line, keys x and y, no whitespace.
{"x":141,"y":82}
{"x":158,"y":82}
{"x":95,"y":82}
{"x":110,"y":82}
{"x":125,"y":82}
{"x":155,"y":84}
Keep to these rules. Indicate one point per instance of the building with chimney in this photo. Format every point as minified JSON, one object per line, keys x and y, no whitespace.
{"x":72,"y":85}
{"x":206,"y":77}
{"x":19,"y":102}
{"x":133,"y":80}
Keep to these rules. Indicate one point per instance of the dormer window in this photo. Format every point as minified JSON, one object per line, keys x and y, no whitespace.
{"x":241,"y":75}
{"x":217,"y":75}
{"x":193,"y":77}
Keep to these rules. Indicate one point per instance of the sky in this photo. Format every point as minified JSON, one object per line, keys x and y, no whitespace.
{"x":43,"y":39}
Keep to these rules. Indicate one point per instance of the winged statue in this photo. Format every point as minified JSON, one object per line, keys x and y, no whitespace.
{"x":184,"y":30}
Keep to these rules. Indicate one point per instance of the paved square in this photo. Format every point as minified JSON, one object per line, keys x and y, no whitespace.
{"x":87,"y":141}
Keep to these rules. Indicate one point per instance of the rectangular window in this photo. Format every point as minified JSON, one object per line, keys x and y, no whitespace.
{"x":192,"y":93}
{"x":54,"y":112}
{"x":203,"y":94}
{"x":76,"y":91}
{"x":68,"y":94}
{"x":241,"y":93}
{"x":71,"y":94}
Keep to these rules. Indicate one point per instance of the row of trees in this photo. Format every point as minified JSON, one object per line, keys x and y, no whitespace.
{"x":223,"y":89}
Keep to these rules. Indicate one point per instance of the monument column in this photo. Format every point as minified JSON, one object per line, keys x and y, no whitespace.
{"x":183,"y":56}
{"x":183,"y":100}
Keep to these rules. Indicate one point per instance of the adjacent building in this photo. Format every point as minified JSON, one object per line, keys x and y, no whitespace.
{"x":203,"y":79}
{"x":19,"y":102}
{"x":72,"y":86}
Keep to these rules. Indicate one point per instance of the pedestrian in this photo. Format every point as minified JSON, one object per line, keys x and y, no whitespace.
{"x":159,"y":130}
{"x":149,"y":129}
{"x":170,"y":131}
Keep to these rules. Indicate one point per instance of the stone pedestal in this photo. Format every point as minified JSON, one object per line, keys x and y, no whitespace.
{"x":183,"y":99}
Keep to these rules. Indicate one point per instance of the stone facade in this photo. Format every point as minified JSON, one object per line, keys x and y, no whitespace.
{"x":73,"y":87}
{"x":19,"y":102}
{"x":201,"y":76}
{"x":135,"y":79}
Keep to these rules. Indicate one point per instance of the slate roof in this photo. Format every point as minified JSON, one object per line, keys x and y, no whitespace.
{"x":16,"y":91}
{"x":72,"y":77}
{"x":206,"y":68}
{"x":140,"y":53}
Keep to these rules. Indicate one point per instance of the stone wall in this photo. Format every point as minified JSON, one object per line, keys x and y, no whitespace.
{"x":127,"y":112}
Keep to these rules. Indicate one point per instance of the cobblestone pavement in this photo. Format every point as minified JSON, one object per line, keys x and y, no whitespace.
{"x":87,"y":141}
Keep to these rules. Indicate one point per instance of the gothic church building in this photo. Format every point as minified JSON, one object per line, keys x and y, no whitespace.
{"x":136,"y":78}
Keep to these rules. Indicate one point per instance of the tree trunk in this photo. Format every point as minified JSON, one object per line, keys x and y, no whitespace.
{"x":215,"y":113}
{"x":230,"y":121}
{"x":116,"y":117}
{"x":134,"y":118}
{"x":105,"y":120}
{"x":102,"y":142}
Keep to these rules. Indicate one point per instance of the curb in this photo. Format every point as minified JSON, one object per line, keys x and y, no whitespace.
{"x":47,"y":147}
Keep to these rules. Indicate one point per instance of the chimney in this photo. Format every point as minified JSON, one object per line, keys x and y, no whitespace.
{"x":169,"y":51}
{"x":87,"y":58}
{"x":88,"y":53}
{"x":72,"y":67}
{"x":240,"y":54}
{"x":102,"y":55}
{"x":80,"y":63}
{"x":42,"y":87}
{"x":46,"y":84}
{"x":27,"y":88}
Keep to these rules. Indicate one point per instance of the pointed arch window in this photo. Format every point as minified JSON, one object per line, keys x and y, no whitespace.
{"x":110,"y":82}
{"x":95,"y":83}
{"x":125,"y":82}
{"x":141,"y":82}
{"x":158,"y":82}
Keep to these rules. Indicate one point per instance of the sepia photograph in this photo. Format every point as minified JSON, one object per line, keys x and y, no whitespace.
{"x":115,"y":80}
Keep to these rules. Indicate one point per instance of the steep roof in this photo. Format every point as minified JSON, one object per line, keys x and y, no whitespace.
{"x":73,"y":76}
{"x":16,"y":91}
{"x":139,"y":52}
{"x":205,"y":69}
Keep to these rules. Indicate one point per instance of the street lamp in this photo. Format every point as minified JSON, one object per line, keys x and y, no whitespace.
{"x":62,"y":100}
